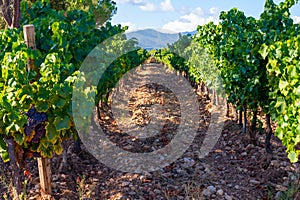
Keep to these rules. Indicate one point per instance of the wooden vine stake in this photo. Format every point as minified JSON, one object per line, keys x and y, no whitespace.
{"x":43,"y":163}
{"x":45,"y":177}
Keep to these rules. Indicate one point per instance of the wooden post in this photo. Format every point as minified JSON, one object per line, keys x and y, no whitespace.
{"x":29,"y":37}
{"x":43,"y":163}
{"x":45,"y":176}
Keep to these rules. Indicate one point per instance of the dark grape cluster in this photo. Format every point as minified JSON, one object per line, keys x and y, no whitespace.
{"x":39,"y":132}
{"x":35,"y":124}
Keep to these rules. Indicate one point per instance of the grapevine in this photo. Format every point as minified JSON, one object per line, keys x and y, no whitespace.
{"x":35,"y":105}
{"x":257,"y":62}
{"x":239,"y":46}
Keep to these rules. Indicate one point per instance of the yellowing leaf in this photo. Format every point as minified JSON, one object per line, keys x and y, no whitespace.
{"x":264,"y":51}
{"x":297,"y":91}
{"x":293,"y":156}
{"x":58,"y":149}
{"x":283,"y":85}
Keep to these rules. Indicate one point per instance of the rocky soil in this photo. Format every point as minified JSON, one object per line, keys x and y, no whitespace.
{"x":234,"y":169}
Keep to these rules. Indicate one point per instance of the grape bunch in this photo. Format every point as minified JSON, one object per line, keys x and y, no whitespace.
{"x":39,"y":132}
{"x":35,"y":127}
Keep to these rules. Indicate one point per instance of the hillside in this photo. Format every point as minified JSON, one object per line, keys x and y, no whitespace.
{"x":152,"y":39}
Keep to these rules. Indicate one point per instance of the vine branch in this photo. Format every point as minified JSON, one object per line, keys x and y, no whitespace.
{"x":11,"y":12}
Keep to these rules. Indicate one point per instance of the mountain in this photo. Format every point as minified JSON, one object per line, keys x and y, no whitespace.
{"x":191,"y":33}
{"x":152,"y":39}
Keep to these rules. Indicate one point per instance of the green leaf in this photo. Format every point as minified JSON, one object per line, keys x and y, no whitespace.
{"x":297,"y":91}
{"x":283,"y":85}
{"x":19,"y":138}
{"x":62,"y":123}
{"x":264,"y":51}
{"x":292,"y":71}
{"x":280,"y":102}
{"x":51,"y":132}
{"x":45,"y":150}
{"x":59,"y":102}
{"x":293,"y":156}
{"x":297,"y":139}
{"x":42,"y":106}
{"x":3,"y":150}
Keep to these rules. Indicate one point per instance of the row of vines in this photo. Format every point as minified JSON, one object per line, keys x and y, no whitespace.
{"x":35,"y":103}
{"x":256,"y":61}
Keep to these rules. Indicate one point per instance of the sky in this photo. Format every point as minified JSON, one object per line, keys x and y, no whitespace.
{"x":183,"y":15}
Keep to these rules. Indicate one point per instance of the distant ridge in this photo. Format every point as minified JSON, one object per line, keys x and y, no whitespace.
{"x":191,"y":33}
{"x":153,"y":39}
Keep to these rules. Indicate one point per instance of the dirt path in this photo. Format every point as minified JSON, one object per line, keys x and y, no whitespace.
{"x":232,"y":170}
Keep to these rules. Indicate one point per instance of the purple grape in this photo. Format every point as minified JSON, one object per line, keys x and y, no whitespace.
{"x":28,"y":130}
{"x":35,"y":115}
{"x":35,"y":122}
{"x":39,"y":132}
{"x":31,"y":112}
{"x":43,"y":117}
{"x":31,"y":122}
